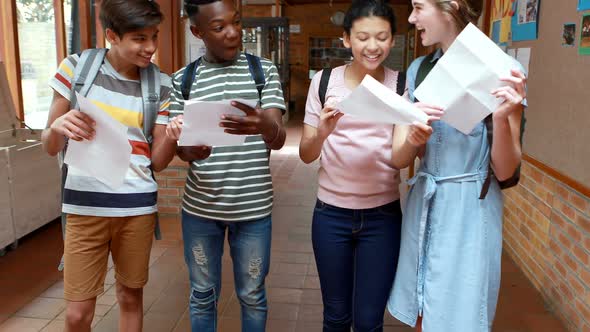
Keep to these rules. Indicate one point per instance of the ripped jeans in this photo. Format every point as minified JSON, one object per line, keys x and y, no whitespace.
{"x":249,"y":243}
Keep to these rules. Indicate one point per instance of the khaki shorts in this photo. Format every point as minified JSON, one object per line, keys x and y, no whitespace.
{"x":88,"y":243}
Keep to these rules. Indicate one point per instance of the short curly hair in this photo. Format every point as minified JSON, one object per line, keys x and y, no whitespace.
{"x":192,"y":8}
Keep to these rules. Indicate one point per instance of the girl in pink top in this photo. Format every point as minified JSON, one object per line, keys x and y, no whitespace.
{"x":357,"y":217}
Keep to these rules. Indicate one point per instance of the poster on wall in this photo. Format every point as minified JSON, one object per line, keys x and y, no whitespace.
{"x":527,"y":11}
{"x":583,"y":5}
{"x":585,"y":35}
{"x":568,"y":35}
{"x":525,"y":19}
{"x":496,"y":31}
{"x":501,"y":16}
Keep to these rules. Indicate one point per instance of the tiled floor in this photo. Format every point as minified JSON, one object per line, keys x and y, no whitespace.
{"x":31,"y":288}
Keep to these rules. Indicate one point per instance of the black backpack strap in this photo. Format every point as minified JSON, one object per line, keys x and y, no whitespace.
{"x":401,"y":83}
{"x":257,"y":73}
{"x":188,"y":78}
{"x":489,"y":123}
{"x":513,"y":180}
{"x":325,"y":79}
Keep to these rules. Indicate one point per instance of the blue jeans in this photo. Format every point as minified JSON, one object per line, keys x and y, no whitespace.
{"x":249,"y":243}
{"x":356,"y":254}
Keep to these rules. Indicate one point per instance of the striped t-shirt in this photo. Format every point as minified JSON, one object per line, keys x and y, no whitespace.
{"x":121,"y":98}
{"x":234,"y":183}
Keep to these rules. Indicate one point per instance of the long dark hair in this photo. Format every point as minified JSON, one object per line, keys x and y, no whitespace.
{"x":367,"y":8}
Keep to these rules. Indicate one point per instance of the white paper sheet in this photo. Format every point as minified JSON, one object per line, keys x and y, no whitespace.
{"x":463,"y":79}
{"x":374,"y":102}
{"x":524,"y":57}
{"x":512,"y":52}
{"x":201,"y":123}
{"x":107,"y":156}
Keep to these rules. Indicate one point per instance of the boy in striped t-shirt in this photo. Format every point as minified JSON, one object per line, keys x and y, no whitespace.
{"x":229,"y":187}
{"x":101,"y":219}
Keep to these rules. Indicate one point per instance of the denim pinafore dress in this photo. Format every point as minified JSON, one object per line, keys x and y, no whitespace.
{"x":449,"y":266}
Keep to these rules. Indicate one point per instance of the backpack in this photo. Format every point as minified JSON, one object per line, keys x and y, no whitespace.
{"x":254,"y":65}
{"x":425,"y":68}
{"x":86,"y":70}
{"x":325,"y":79}
{"x":85,"y":73}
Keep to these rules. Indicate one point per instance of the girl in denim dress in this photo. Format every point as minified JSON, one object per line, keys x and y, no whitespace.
{"x":449,"y":267}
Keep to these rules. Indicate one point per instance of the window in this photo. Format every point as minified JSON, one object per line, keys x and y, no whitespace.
{"x":35,"y":35}
{"x":68,"y":22}
{"x":37,"y":48}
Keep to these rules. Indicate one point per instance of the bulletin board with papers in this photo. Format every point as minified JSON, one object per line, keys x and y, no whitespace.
{"x":558,"y":115}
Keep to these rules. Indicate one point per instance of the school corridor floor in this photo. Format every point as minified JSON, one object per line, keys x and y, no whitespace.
{"x":31,"y":288}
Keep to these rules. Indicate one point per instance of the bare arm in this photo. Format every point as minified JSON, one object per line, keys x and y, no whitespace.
{"x":402,"y":152}
{"x":410,"y":141}
{"x":312,"y":139}
{"x":185,"y":153}
{"x":310,"y":146}
{"x":506,"y":149}
{"x":275,"y":139}
{"x":268,"y":123}
{"x":163,"y":148}
{"x":63,"y":122}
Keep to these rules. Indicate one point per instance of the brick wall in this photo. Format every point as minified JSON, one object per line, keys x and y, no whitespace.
{"x":171,"y":186}
{"x":547,"y":233}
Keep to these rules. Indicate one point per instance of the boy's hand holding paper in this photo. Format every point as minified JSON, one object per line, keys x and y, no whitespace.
{"x":106,"y":157}
{"x":201,"y":123}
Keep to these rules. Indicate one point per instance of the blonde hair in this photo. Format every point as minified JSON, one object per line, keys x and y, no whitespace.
{"x":468,"y":11}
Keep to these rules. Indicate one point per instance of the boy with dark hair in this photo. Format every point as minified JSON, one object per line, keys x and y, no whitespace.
{"x":101,"y":219}
{"x":228,"y":187}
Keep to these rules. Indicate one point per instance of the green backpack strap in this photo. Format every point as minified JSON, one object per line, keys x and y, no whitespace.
{"x":425,"y":68}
